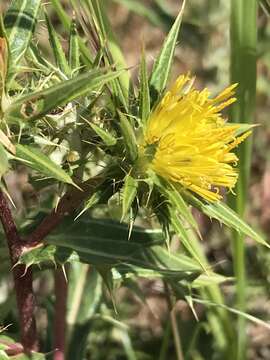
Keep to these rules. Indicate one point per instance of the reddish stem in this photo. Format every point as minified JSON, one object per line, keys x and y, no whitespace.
{"x":61,"y":291}
{"x":22,"y":279}
{"x":68,"y":203}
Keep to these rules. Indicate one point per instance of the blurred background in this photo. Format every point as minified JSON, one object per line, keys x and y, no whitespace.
{"x":204,"y":50}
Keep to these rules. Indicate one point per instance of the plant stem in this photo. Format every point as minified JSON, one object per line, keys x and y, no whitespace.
{"x":165,"y":342}
{"x":243,"y":71}
{"x":61,"y":290}
{"x":68,"y":203}
{"x":22,"y":279}
{"x":175,"y":330}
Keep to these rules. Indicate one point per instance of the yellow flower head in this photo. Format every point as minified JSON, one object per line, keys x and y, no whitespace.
{"x":188,"y":142}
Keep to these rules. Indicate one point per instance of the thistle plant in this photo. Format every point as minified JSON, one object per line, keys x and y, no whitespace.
{"x":92,"y":140}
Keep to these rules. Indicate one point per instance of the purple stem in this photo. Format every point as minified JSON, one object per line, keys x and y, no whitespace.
{"x":61,"y":292}
{"x":22,"y":279}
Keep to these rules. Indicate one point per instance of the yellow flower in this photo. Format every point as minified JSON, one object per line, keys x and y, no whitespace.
{"x":187,"y":141}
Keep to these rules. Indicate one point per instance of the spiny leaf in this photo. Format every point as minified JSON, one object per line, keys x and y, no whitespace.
{"x":128,"y":194}
{"x":66,"y":22}
{"x":128,"y":137}
{"x":41,"y":163}
{"x":38,"y":104}
{"x":176,"y":200}
{"x":184,"y":237}
{"x":107,"y":138}
{"x":162,"y":65}
{"x":86,"y":241}
{"x":144,"y":91}
{"x":225,"y":215}
{"x":58,"y":51}
{"x":95,"y":9}
{"x":126,"y":257}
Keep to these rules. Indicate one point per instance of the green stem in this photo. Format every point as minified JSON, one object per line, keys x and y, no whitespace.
{"x":165,"y":342}
{"x":243,"y":71}
{"x":174,"y":325}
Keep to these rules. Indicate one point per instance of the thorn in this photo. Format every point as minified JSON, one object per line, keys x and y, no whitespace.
{"x":64,"y":272}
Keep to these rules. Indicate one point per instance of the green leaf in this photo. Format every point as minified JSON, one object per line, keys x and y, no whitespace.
{"x":247,"y":316}
{"x":20,"y":21}
{"x":144,"y":91}
{"x":41,"y":255}
{"x":38,"y":104}
{"x":244,"y":128}
{"x":125,"y":256}
{"x":74,"y":48}
{"x":128,"y":137}
{"x":66,"y":22}
{"x":92,"y":12}
{"x":265,"y":5}
{"x":105,"y":243}
{"x":94,"y":229}
{"x":210,"y":279}
{"x":107,"y":138}
{"x":59,"y":55}
{"x":177,"y":202}
{"x":84,"y":295}
{"x":128,"y":194}
{"x":227,"y":216}
{"x":95,"y":9}
{"x":179,"y":228}
{"x":41,"y":163}
{"x":162,"y":65}
{"x":4,"y":166}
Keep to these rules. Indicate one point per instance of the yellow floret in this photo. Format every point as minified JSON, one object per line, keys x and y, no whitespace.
{"x":192,"y":140}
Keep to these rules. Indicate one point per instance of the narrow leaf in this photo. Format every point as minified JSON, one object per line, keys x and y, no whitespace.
{"x":58,"y":51}
{"x":95,"y":9}
{"x":38,"y":104}
{"x":162,"y":65}
{"x":41,"y":163}
{"x":144,"y":91}
{"x":66,"y":22}
{"x":184,"y":237}
{"x":74,"y":49}
{"x":128,"y":194}
{"x":128,"y":137}
{"x":227,"y":216}
{"x":106,"y":137}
